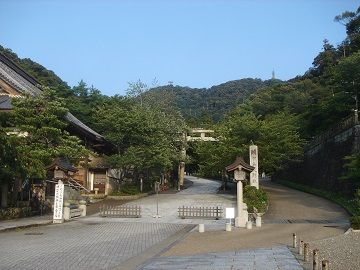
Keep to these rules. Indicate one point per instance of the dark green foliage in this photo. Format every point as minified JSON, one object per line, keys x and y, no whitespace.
{"x":355,"y":222}
{"x":255,"y":198}
{"x":40,"y":133}
{"x":127,"y":189}
{"x":352,"y":169}
{"x":201,"y":106}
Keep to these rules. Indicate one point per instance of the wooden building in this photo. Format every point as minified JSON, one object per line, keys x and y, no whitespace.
{"x":91,"y":173}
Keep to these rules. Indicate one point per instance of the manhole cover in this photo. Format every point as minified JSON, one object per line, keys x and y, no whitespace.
{"x":34,"y":233}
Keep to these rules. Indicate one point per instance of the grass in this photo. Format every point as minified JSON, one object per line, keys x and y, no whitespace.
{"x":346,"y":202}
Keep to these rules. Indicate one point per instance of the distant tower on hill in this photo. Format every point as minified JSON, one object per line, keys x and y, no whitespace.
{"x":273,"y":75}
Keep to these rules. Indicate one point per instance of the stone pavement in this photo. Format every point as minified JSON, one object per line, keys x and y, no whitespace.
{"x":81,"y":245}
{"x":104,"y":243}
{"x":201,"y":193}
{"x":253,"y":259}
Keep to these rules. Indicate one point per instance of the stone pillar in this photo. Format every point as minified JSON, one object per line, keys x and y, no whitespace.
{"x":82,"y":205}
{"x":66,"y":211}
{"x":242,"y":214}
{"x":4,"y":195}
{"x":254,"y":175}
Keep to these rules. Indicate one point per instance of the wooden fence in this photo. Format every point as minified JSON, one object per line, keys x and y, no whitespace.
{"x":200,"y":212}
{"x":122,"y":211}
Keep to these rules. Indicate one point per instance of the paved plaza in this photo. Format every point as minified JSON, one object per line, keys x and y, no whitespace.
{"x":173,"y":243}
{"x":80,"y":245}
{"x":255,"y":259}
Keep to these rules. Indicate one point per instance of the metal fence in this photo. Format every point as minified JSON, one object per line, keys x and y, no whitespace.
{"x":200,"y":212}
{"x":122,"y":211}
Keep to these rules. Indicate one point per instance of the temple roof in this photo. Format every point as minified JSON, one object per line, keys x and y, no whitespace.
{"x":17,"y":78}
{"x":239,"y":161}
{"x":62,"y":164}
{"x":24,"y":83}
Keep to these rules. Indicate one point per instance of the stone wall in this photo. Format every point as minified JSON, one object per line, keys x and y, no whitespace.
{"x":323,"y":162}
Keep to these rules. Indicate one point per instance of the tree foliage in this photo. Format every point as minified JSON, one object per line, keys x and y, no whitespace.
{"x":40,"y":133}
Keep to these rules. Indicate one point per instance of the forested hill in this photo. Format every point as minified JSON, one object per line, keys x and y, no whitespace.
{"x":199,"y":105}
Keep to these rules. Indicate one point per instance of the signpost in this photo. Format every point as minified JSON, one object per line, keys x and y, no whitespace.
{"x":58,"y":203}
{"x":157,"y":187}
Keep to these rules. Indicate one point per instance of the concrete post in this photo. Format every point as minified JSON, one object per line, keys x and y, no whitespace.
{"x":301,"y":247}
{"x":294,"y":240}
{"x":249,"y":225}
{"x":66,"y":211}
{"x":254,"y":175}
{"x":4,"y":195}
{"x":83,"y":207}
{"x":316,"y":259}
{"x":201,"y":228}
{"x":228,"y":227}
{"x":325,"y":265}
{"x":258,"y":221}
{"x":306,"y":252}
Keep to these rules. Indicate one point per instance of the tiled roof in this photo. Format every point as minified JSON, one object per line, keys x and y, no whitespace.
{"x":17,"y":77}
{"x":240,"y":162}
{"x":76,"y":122}
{"x":26,"y":84}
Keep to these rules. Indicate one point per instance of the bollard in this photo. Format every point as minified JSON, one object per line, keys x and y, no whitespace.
{"x":306,"y":252}
{"x":201,"y":228}
{"x":249,"y":225}
{"x":301,"y":247}
{"x":258,"y":221}
{"x":294,"y":240}
{"x":325,"y":265}
{"x":228,"y":227}
{"x":83,"y":207}
{"x":316,"y":259}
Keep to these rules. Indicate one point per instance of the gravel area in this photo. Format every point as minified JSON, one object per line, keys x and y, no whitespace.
{"x":341,"y":251}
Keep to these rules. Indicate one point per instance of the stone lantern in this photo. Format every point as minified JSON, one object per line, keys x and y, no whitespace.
{"x":240,"y":169}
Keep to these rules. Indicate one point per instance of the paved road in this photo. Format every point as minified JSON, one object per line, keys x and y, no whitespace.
{"x":201,"y":193}
{"x":101,"y":243}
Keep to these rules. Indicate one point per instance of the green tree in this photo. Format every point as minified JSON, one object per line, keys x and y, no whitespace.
{"x":146,"y":136}
{"x":40,"y":133}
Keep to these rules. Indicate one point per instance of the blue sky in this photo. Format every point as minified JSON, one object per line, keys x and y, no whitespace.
{"x":195,"y":43}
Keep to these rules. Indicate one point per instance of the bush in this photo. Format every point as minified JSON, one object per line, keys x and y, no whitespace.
{"x":355,"y":222}
{"x":14,"y":212}
{"x":127,"y":189}
{"x":255,"y":198}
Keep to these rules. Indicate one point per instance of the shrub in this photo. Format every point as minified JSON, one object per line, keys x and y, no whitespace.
{"x":14,"y":212}
{"x":255,"y":198}
{"x":355,"y":222}
{"x":127,"y":189}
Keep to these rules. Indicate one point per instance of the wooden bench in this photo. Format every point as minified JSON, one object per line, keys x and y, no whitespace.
{"x":200,"y":212}
{"x":121,"y":211}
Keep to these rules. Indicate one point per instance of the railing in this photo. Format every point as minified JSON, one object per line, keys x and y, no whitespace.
{"x":71,"y":183}
{"x":124,"y":211}
{"x":332,"y":131}
{"x":200,"y":212}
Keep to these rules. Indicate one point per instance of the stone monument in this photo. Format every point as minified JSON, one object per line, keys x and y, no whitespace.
{"x":58,"y":203}
{"x":240,"y":168}
{"x":254,"y":175}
